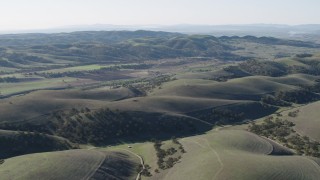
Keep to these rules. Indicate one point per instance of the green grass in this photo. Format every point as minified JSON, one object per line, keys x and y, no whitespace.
{"x":72,"y":165}
{"x":84,"y":68}
{"x":307,"y":122}
{"x":173,"y":104}
{"x":7,"y":70}
{"x":227,"y":154}
{"x":11,"y":88}
{"x":35,"y":104}
{"x":232,"y":89}
{"x":77,"y":68}
{"x":296,"y":79}
{"x":237,"y":155}
{"x":145,"y":150}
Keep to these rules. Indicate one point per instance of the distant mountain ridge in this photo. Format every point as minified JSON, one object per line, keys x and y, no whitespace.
{"x":218,"y":30}
{"x":105,"y":46}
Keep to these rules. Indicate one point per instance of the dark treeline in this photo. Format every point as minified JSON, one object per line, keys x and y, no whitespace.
{"x":264,"y":68}
{"x":27,"y":142}
{"x":107,"y":126}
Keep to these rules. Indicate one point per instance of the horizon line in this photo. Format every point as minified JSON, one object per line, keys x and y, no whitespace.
{"x":135,"y":27}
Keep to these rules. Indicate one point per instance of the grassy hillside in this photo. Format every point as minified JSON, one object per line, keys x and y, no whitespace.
{"x":170,"y":104}
{"x":178,"y":107}
{"x":40,"y":104}
{"x":18,"y":143}
{"x":233,"y":153}
{"x":218,"y":154}
{"x":307,"y":120}
{"x":73,"y":164}
{"x":229,"y":154}
{"x":126,"y":94}
{"x":247,"y":88}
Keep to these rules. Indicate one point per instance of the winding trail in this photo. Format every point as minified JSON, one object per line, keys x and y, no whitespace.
{"x":141,"y":161}
{"x":208,"y":146}
{"x":218,"y":157}
{"x":92,"y":172}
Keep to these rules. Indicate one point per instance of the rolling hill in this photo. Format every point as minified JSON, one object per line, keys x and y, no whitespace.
{"x":307,"y":120}
{"x":72,"y":164}
{"x":227,"y":154}
{"x":90,"y":105}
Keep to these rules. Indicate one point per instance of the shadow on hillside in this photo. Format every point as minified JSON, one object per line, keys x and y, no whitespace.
{"x":108,"y":127}
{"x":115,"y":166}
{"x":235,"y":113}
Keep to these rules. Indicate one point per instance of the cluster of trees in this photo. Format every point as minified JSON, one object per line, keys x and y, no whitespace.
{"x":304,"y":55}
{"x":125,"y":66}
{"x":272,"y":100}
{"x":175,"y":141}
{"x":264,"y":68}
{"x":294,"y":113}
{"x":313,"y":88}
{"x":220,"y":116}
{"x":314,"y":66}
{"x":5,"y":63}
{"x":145,"y":85}
{"x":272,"y":68}
{"x":285,"y":98}
{"x":105,"y":126}
{"x":303,"y":145}
{"x":297,"y":96}
{"x":92,"y":72}
{"x":165,"y":159}
{"x":21,"y":58}
{"x":155,"y":82}
{"x":1,"y":161}
{"x":135,"y":66}
{"x":27,"y":127}
{"x":59,"y":74}
{"x":273,"y":128}
{"x":77,"y":73}
{"x":282,"y":130}
{"x":144,"y":171}
{"x":232,"y":72}
{"x":28,"y":142}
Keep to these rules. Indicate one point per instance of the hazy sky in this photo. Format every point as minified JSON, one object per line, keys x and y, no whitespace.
{"x":34,"y":14}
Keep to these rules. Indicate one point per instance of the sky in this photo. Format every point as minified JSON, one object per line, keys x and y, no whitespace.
{"x":43,"y":14}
